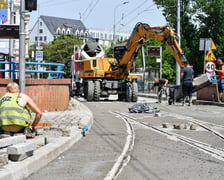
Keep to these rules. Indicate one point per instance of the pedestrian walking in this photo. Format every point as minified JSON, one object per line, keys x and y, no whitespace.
{"x":187,"y":75}
{"x":15,"y":110}
{"x":221,"y":79}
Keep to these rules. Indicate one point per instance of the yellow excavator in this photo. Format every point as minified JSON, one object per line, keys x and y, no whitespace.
{"x":105,"y":76}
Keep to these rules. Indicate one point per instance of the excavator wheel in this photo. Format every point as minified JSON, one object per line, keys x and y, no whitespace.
{"x":96,"y":95}
{"x":89,"y":90}
{"x":134,"y":92}
{"x":128,"y":92}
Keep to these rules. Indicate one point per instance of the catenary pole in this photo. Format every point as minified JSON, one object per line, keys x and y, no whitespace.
{"x":179,"y":41}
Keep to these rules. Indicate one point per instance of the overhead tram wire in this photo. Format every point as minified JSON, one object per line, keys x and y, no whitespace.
{"x":132,"y":18}
{"x":49,"y":4}
{"x":90,"y":4}
{"x":90,"y":11}
{"x":132,"y":11}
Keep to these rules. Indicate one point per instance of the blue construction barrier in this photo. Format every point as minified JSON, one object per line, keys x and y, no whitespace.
{"x":52,"y":74}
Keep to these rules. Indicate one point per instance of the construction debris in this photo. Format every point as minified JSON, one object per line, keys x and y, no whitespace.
{"x":143,"y":108}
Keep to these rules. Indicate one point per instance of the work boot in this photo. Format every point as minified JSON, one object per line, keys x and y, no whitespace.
{"x":189,"y":104}
{"x":183,"y":103}
{"x":28,"y":132}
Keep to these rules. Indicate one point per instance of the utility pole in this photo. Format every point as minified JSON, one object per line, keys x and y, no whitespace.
{"x":22,"y":48}
{"x":179,"y":41}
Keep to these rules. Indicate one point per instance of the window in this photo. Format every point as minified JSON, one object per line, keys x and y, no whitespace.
{"x":45,"y":38}
{"x":14,"y":17}
{"x":77,"y":33}
{"x":36,"y":38}
{"x":40,"y":23}
{"x":58,"y":31}
{"x":41,"y":31}
{"x":94,"y":63}
{"x":41,"y":38}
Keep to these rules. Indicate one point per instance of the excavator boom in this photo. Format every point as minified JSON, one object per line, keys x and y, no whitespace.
{"x":143,"y":32}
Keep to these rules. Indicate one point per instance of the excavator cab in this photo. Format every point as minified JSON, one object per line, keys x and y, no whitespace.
{"x":119,"y":51}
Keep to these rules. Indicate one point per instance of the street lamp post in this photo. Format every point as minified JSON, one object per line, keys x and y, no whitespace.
{"x":114,"y":27}
{"x":22,"y":48}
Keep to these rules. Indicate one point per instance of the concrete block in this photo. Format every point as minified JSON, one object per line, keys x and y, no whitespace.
{"x":21,"y":151}
{"x":202,"y":81}
{"x":157,"y":115}
{"x":20,"y":157}
{"x":12,"y":140}
{"x":178,"y":126}
{"x":39,"y":131}
{"x":3,"y":159}
{"x":4,"y":136}
{"x":165,"y":125}
{"x":21,"y":148}
{"x":193,"y":127}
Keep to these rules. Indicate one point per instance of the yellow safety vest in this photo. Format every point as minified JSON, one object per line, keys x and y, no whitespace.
{"x":11,"y":113}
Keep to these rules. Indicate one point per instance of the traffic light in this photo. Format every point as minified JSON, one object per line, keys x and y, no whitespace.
{"x":30,"y":5}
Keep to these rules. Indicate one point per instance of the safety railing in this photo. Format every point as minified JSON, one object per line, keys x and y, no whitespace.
{"x":52,"y":74}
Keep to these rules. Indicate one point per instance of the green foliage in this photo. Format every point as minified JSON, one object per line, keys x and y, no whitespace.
{"x":110,"y":51}
{"x":61,"y":50}
{"x":199,"y":19}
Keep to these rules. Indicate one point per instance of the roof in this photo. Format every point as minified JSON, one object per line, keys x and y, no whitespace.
{"x":54,"y":22}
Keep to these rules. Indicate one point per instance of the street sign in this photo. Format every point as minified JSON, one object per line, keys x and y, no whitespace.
{"x":210,"y":56}
{"x":39,"y":56}
{"x":205,"y":44}
{"x":153,"y":51}
{"x":158,"y":60}
{"x":210,"y":66}
{"x":9,"y":31}
{"x":38,"y":48}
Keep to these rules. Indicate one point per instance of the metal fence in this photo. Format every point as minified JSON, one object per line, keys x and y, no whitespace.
{"x":53,"y":70}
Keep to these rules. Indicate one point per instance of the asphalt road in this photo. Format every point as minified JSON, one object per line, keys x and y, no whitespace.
{"x":153,"y":153}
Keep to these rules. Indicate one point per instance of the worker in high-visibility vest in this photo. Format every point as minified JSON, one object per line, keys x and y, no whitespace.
{"x":15,"y":112}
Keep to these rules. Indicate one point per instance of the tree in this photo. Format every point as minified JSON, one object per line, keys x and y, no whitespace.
{"x":199,"y":19}
{"x":61,"y":50}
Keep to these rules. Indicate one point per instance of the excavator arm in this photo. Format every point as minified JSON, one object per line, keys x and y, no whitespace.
{"x":143,"y":32}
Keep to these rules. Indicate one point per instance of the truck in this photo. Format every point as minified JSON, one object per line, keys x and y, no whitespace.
{"x":104,"y":76}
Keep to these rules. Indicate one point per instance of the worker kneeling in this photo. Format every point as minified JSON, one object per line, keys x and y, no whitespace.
{"x":15,"y":114}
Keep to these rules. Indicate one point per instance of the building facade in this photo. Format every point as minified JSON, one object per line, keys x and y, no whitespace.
{"x":105,"y":37}
{"x":47,"y":28}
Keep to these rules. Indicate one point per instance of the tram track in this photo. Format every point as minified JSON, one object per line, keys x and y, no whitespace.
{"x":130,"y":121}
{"x":216,"y":152}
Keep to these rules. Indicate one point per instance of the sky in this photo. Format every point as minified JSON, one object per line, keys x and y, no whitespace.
{"x":102,"y":14}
